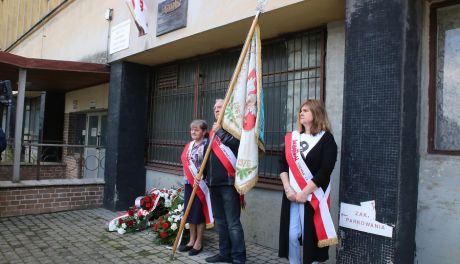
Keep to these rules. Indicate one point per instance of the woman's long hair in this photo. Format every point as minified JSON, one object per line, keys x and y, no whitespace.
{"x":320,"y":119}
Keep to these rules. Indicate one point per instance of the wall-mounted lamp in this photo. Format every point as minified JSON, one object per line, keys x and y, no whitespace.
{"x":108,"y":14}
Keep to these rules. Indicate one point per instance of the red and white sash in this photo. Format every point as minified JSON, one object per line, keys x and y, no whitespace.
{"x":202,"y":192}
{"x":227,"y":158}
{"x":225,"y":155}
{"x":299,"y":174}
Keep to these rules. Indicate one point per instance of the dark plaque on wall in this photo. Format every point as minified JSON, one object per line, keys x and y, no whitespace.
{"x":172,"y":15}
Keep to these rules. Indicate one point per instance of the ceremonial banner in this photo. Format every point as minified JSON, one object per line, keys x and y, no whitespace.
{"x":244,"y":116}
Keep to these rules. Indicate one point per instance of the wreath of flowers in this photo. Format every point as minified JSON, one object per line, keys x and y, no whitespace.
{"x":146,"y":209}
{"x":166,"y":227}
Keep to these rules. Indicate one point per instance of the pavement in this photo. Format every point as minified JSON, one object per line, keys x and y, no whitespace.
{"x":80,"y":237}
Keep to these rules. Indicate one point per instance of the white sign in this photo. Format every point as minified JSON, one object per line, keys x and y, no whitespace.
{"x":119,"y":37}
{"x":362,"y":218}
{"x":92,"y":104}
{"x":93,"y":131}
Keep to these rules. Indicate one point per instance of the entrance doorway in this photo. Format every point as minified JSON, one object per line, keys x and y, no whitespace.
{"x":95,"y":139}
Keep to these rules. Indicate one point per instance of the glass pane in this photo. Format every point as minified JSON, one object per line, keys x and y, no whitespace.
{"x":448,"y":79}
{"x":103,"y":139}
{"x":92,"y":130}
{"x":304,"y":62}
{"x":26,"y":120}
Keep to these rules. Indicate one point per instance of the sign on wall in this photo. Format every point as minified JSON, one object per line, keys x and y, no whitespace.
{"x":119,"y":37}
{"x":172,"y":15}
{"x":362,"y":218}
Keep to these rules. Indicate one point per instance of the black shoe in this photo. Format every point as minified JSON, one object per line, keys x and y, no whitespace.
{"x":194,"y":252}
{"x":218,"y":258}
{"x":184,"y":248}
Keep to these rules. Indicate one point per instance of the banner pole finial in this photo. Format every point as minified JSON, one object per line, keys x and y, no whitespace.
{"x":260,"y":6}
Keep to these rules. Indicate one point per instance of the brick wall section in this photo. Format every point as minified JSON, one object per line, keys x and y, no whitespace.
{"x":46,"y":199}
{"x":74,"y":168}
{"x":70,"y":121}
{"x":29,"y":172}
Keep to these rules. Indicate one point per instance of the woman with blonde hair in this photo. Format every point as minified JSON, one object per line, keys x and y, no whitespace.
{"x":309,"y":157}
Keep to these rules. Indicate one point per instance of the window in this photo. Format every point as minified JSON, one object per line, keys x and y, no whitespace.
{"x":31,"y":119}
{"x":292,"y":72}
{"x":444,"y":91}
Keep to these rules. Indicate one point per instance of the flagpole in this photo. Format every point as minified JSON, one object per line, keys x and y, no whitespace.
{"x":219,"y":121}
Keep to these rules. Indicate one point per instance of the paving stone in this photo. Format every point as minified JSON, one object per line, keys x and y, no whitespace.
{"x":80,"y":237}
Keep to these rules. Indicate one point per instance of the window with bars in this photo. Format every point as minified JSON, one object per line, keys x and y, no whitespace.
{"x":292,"y":71}
{"x":444,"y":92}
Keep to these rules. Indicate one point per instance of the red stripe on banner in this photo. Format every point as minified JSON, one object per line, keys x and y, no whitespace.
{"x":191,"y":180}
{"x":221,"y":156}
{"x":134,"y":4}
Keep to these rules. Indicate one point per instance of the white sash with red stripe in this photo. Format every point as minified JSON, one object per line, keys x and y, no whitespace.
{"x":202,"y":192}
{"x":228,"y":159}
{"x":299,"y":174}
{"x":225,"y":155}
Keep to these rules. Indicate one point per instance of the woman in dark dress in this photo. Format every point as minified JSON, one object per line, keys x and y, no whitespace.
{"x":200,"y":215}
{"x":308,"y":161}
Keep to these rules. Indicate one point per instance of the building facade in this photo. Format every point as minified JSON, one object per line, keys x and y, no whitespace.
{"x":387,"y":72}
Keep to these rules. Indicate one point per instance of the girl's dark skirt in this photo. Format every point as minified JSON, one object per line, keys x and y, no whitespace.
{"x":196,"y":215}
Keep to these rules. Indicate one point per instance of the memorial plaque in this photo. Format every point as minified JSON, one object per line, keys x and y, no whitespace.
{"x":172,"y":15}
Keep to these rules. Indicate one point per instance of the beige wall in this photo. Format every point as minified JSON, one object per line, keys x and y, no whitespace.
{"x":18,"y":16}
{"x":83,"y":97}
{"x":79,"y":32}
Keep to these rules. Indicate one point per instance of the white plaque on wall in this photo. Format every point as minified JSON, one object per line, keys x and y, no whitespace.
{"x":119,"y":37}
{"x":92,"y":104}
{"x":362,"y":218}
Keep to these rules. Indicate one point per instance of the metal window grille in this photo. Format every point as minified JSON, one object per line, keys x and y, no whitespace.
{"x":292,"y":72}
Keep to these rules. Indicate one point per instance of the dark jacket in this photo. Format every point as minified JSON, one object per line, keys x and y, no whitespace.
{"x":216,"y":174}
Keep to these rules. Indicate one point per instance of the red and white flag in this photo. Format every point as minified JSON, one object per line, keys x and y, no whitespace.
{"x":140,"y":9}
{"x":244,"y":116}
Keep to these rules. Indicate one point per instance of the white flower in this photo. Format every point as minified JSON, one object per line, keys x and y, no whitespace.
{"x":173,"y":226}
{"x":123,"y":226}
{"x":170,"y":219}
{"x":180,"y":207}
{"x":168,"y":203}
{"x":187,"y":226}
{"x":121,"y":231}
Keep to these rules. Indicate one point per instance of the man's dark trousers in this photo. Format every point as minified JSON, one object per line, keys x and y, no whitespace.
{"x":226,"y":209}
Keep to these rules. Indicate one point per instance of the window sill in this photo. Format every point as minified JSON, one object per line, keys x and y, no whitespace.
{"x":262,"y":183}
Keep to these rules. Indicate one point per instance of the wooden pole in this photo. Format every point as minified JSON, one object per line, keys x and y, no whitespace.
{"x":219,"y":121}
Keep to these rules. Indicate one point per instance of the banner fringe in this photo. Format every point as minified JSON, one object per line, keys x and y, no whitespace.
{"x":243,"y":189}
{"x":328,"y":242}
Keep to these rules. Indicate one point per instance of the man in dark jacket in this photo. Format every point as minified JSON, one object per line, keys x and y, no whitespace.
{"x":225,"y":199}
